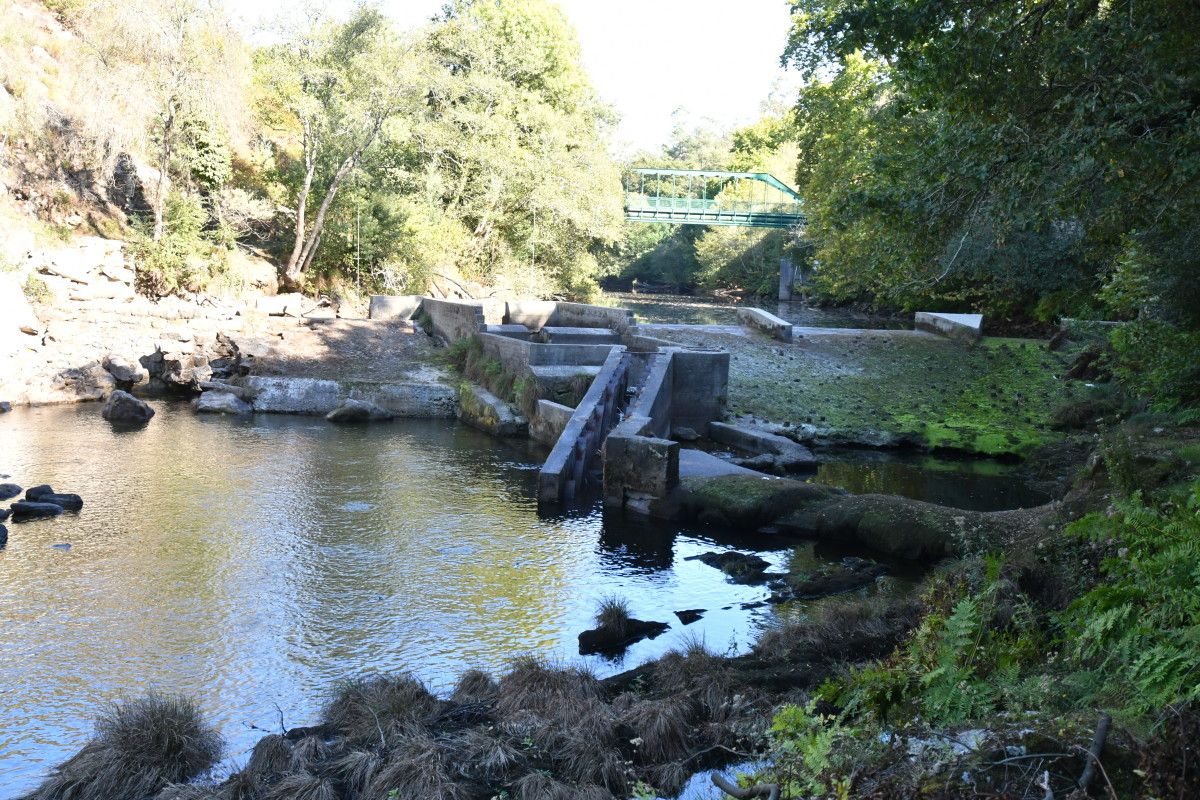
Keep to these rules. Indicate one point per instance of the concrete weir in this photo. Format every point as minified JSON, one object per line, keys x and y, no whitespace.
{"x":641,"y":390}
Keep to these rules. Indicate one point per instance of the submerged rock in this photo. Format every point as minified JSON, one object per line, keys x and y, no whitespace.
{"x":848,"y":575}
{"x":8,"y":490}
{"x":24,"y":510}
{"x":613,"y":639}
{"x":738,"y":567}
{"x":690,"y":615}
{"x":122,"y":408}
{"x":217,"y":402}
{"x":44,"y":494}
{"x":358,"y":411}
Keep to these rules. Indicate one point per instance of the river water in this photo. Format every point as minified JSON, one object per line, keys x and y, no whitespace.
{"x":254,"y":563}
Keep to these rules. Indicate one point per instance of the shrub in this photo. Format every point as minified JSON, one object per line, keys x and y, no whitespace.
{"x":36,"y":290}
{"x":139,"y":747}
{"x":1157,"y":361}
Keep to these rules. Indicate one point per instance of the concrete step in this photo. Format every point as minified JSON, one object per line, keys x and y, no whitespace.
{"x":511,"y":331}
{"x":560,"y":335}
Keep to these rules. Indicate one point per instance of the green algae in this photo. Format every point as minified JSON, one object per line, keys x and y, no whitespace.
{"x":883,"y":387}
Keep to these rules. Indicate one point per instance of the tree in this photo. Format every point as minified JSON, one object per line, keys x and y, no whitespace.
{"x":328,"y":92}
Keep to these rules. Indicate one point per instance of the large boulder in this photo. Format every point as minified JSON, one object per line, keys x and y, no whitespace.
{"x":217,"y":402}
{"x":123,"y":408}
{"x":358,"y":411}
{"x":613,"y":639}
{"x":23,"y":510}
{"x":9,"y":490}
{"x":45,"y":494}
{"x":126,"y":371}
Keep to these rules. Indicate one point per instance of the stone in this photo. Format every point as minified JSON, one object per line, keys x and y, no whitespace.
{"x":851,"y":574}
{"x":4,"y":513}
{"x":690,"y":615}
{"x":9,"y":490}
{"x":44,"y":494}
{"x":24,"y":510}
{"x":358,"y":411}
{"x":126,"y":371}
{"x":123,"y":408}
{"x":118,"y":272}
{"x":5,"y":406}
{"x":3,"y":535}
{"x":738,"y":567}
{"x":613,"y":639}
{"x":217,"y":402}
{"x":683,"y":433}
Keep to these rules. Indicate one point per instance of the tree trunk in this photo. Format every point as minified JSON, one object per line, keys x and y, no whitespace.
{"x":164,"y":162}
{"x":304,"y":250}
{"x":291,"y":273}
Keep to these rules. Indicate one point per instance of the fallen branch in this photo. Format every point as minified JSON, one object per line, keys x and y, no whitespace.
{"x":1089,"y":769}
{"x":767,"y":790}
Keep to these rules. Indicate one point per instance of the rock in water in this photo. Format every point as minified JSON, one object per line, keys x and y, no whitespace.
{"x":122,"y":408}
{"x":739,"y":567}
{"x":8,"y":490}
{"x":44,"y":494}
{"x":216,"y":402}
{"x":23,"y":510}
{"x":4,"y":512}
{"x":358,"y":411}
{"x":613,"y":639}
{"x":5,"y":406}
{"x":3,"y":536}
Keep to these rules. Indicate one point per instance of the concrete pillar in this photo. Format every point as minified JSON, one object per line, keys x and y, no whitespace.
{"x":787,"y":276}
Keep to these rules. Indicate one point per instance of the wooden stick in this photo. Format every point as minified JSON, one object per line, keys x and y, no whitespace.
{"x":767,"y":790}
{"x":1089,"y":769}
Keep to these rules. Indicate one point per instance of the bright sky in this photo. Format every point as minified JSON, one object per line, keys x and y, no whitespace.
{"x":714,"y":60}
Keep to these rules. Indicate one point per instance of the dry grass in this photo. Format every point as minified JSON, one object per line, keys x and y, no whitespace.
{"x":474,"y":686}
{"x":373,"y":709}
{"x":140,"y":747}
{"x":613,"y":613}
{"x":841,"y":629}
{"x":664,"y":726}
{"x":302,"y":786}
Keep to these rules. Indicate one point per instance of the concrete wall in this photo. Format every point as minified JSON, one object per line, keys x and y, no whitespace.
{"x":533,"y":314}
{"x":581,"y":315}
{"x":453,"y":319}
{"x":960,"y":327}
{"x":766,"y":322}
{"x":638,"y":469}
{"x":699,"y":387}
{"x":654,"y":400}
{"x":548,"y":423}
{"x":402,"y":306}
{"x":316,"y":396}
{"x":517,"y":355}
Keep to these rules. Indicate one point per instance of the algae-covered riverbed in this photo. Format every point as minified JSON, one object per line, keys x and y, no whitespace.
{"x":876,"y":387}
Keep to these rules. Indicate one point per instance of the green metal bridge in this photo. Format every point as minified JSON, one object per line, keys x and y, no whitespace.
{"x":706,"y":197}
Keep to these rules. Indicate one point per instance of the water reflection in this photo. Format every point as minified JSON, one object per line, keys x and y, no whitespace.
{"x":255,"y":563}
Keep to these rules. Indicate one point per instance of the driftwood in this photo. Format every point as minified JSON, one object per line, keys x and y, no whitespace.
{"x":1089,"y":770}
{"x":767,"y":790}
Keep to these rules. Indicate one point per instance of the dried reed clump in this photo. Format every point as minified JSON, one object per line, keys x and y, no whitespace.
{"x":140,"y":747}
{"x":373,"y":709}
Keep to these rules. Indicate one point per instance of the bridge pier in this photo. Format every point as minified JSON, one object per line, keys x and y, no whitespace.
{"x":787,"y":278}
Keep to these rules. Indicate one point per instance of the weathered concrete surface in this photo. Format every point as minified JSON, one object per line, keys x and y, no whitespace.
{"x":549,"y":421}
{"x":699,"y":387}
{"x":553,"y":334}
{"x":788,"y":454}
{"x":319,"y":396}
{"x":699,"y":464}
{"x":766,"y":322}
{"x":403,"y":306}
{"x":888,"y":388}
{"x":512,"y":331}
{"x":358,"y":411}
{"x":481,"y":409}
{"x":960,"y":327}
{"x":453,"y":320}
{"x":638,"y":469}
{"x":218,"y":402}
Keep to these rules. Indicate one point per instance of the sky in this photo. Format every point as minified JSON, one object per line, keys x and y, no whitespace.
{"x":655,"y":61}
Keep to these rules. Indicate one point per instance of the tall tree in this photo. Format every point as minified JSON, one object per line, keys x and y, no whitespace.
{"x":328,"y":92}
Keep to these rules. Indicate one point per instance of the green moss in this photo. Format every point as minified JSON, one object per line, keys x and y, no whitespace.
{"x":992,"y":399}
{"x":749,"y":499}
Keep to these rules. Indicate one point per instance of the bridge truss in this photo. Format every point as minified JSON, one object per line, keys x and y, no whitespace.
{"x":709,"y":197}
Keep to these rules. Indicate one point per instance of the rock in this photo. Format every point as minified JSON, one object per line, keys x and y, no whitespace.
{"x":67,"y":267}
{"x":24,"y":510}
{"x":739,"y":567}
{"x":5,"y":406}
{"x":124,"y":408}
{"x":1058,"y":340}
{"x":118,"y":272}
{"x":44,"y":494}
{"x":690,"y":615}
{"x":9,"y":490}
{"x":126,"y":371}
{"x":184,"y":370}
{"x":613,"y":639}
{"x":481,"y":409}
{"x":4,"y":513}
{"x":3,"y":535}
{"x":358,"y":411}
{"x":217,"y":402}
{"x":684,"y":434}
{"x":852,"y":573}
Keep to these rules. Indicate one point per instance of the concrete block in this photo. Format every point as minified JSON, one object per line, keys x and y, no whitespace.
{"x":511,"y":331}
{"x":699,"y":387}
{"x":789,"y":454}
{"x":641,"y":465}
{"x":403,"y":306}
{"x":766,"y":322}
{"x":481,"y":409}
{"x":554,"y":334}
{"x":548,"y":423}
{"x":960,"y":327}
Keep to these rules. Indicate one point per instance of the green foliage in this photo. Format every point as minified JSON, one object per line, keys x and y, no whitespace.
{"x":990,"y":156}
{"x":36,"y":290}
{"x":1136,"y":635}
{"x":1157,"y":360}
{"x":184,"y":259}
{"x":805,"y":751}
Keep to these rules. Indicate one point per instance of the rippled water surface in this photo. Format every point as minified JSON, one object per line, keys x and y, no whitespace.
{"x":255,"y":563}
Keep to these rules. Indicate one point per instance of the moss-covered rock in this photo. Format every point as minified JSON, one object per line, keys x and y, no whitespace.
{"x":747,"y":500}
